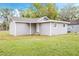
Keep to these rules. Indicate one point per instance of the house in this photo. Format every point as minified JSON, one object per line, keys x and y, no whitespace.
{"x":73,"y":26}
{"x":42,"y":26}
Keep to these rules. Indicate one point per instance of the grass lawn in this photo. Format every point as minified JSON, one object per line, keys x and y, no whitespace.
{"x":61,"y":45}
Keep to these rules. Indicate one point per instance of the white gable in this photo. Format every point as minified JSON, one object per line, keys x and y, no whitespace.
{"x":44,"y":18}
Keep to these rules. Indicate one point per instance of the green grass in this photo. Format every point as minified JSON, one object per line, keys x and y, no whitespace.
{"x":60,"y":45}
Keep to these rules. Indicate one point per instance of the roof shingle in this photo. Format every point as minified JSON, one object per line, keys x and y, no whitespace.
{"x":36,"y":20}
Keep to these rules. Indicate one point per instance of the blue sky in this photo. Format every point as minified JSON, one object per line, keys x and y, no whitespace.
{"x":25,"y":5}
{"x":15,"y":5}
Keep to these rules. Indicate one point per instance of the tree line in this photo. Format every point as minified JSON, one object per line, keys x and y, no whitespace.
{"x":67,"y":13}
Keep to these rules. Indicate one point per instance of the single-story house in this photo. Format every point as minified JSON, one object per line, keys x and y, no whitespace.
{"x":73,"y":26}
{"x":42,"y":26}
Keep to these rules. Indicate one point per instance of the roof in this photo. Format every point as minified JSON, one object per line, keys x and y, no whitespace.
{"x":74,"y":22}
{"x":36,"y":20}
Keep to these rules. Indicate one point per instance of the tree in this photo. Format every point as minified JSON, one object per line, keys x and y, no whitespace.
{"x":69,"y":12}
{"x":40,"y":10}
{"x":29,"y":13}
{"x":6,"y":14}
{"x":52,"y":11}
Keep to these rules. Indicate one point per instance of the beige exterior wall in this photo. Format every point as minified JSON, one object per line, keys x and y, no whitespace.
{"x":74,"y":28}
{"x":12,"y":28}
{"x":58,"y":28}
{"x":45,"y":29}
{"x":50,"y":29}
{"x":22,"y":29}
{"x":19,"y":29}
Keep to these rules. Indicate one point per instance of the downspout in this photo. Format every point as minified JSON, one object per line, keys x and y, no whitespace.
{"x":37,"y":27}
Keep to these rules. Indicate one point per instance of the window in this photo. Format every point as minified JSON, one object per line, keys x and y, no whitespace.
{"x":55,"y":25}
{"x":63,"y":25}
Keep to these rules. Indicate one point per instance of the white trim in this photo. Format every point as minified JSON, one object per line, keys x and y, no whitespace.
{"x":30,"y":28}
{"x":37,"y":27}
{"x":50,"y":29}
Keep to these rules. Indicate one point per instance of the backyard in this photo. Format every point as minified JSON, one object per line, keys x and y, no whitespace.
{"x":36,"y":45}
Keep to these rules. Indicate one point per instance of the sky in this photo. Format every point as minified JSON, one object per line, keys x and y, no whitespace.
{"x":25,"y":5}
